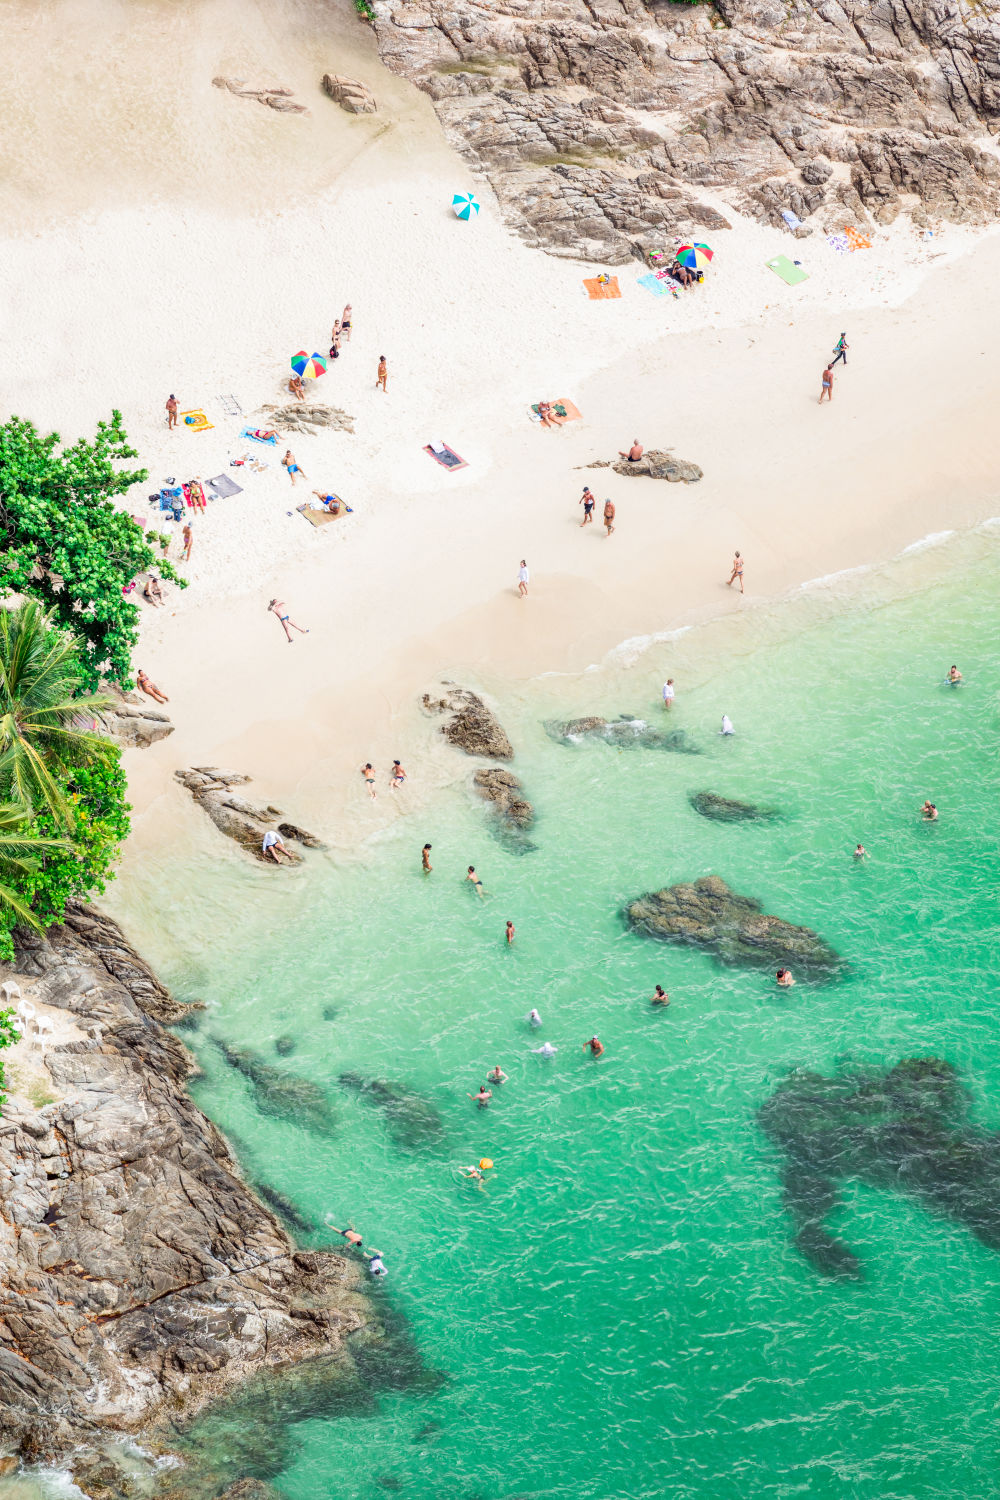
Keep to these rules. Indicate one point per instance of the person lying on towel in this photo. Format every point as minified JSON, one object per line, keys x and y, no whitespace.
{"x":330,"y":503}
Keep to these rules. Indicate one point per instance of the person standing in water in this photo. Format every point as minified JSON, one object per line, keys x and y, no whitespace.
{"x":483,"y":1097}
{"x":510,"y":933}
{"x":668,"y":693}
{"x":477,"y":884}
{"x":661,"y":997}
{"x":727,"y":725}
{"x":425,"y":854}
{"x":736,"y":573}
{"x":929,"y":811}
{"x":534,"y":1019}
{"x":596,"y":1047}
{"x":496,"y":1075}
{"x":861,"y":852}
{"x":784,"y":978}
{"x":954,"y":675}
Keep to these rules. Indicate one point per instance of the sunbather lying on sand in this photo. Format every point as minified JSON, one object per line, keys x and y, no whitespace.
{"x":548,"y":416}
{"x":145,"y":685}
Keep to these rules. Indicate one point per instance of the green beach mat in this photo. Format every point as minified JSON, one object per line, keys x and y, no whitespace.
{"x":787,"y":270}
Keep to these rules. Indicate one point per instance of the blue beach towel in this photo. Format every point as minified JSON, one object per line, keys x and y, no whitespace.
{"x":248,"y":432}
{"x":654,"y":285}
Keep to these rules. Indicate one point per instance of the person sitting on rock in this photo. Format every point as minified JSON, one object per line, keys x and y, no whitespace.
{"x":273,"y":848}
{"x":634,"y":454}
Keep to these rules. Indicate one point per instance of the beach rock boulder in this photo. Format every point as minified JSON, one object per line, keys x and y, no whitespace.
{"x":133,"y":724}
{"x":733,"y":929}
{"x":503,"y":790}
{"x":279,"y":99}
{"x":656,"y":463}
{"x":470,"y":725}
{"x":625,"y":733}
{"x":727,"y":810}
{"x":239,"y":819}
{"x":357,"y":98}
{"x":300,"y":416}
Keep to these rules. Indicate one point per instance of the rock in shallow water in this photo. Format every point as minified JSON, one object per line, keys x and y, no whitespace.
{"x":625,"y":734}
{"x":726,"y":810}
{"x":905,"y":1129}
{"x":239,"y":819}
{"x":283,"y":1095}
{"x":732,"y":928}
{"x":412,"y":1120}
{"x":470,"y":726}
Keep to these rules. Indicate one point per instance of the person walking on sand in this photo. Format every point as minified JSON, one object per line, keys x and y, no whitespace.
{"x":397,"y":776}
{"x":149,"y":688}
{"x":383,"y":374}
{"x":425,"y":855}
{"x":477,"y":884}
{"x":510,"y":933}
{"x":634,"y":453}
{"x":827,"y":390}
{"x":609,"y":516}
{"x":292,"y":466}
{"x":345,"y":324}
{"x":369,"y":776}
{"x":841,"y":350}
{"x":587,"y":501}
{"x":187,"y":536}
{"x":596,"y":1047}
{"x":273,"y":847}
{"x":276,"y":606}
{"x":522,"y":579}
{"x":736,"y":573}
{"x":668,"y":693}
{"x":171,"y":410}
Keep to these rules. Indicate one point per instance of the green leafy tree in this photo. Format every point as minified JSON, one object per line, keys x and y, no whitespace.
{"x":63,"y":541}
{"x":22,"y":852}
{"x":9,"y":1034}
{"x":42,"y":712}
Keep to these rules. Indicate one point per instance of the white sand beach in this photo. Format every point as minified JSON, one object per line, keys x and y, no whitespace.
{"x":176,"y":238}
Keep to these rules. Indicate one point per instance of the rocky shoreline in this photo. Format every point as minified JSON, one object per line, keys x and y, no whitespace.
{"x":143,"y":1280}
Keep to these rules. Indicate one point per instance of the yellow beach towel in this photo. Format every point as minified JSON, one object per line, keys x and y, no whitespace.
{"x":196,"y":421}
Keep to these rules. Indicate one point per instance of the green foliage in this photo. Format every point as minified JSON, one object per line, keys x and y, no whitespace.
{"x":364,"y":9}
{"x":63,"y":541}
{"x":9,"y":1034}
{"x":22,"y":848}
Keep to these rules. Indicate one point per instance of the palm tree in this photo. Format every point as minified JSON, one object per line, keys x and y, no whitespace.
{"x":19,"y":855}
{"x":40,"y":706}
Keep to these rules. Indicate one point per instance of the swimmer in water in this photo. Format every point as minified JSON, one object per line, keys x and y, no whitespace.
{"x":483,"y":1097}
{"x":376,"y":1265}
{"x":473,"y":1174}
{"x":727,"y":725}
{"x":861,"y":852}
{"x":533,"y":1018}
{"x":784,"y":978}
{"x":661,"y":997}
{"x":496,"y":1075}
{"x":510,"y":933}
{"x":477,"y":884}
{"x":954,"y":675}
{"x":350,"y":1235}
{"x":596,"y":1047}
{"x":929,"y":811}
{"x":545,"y":1050}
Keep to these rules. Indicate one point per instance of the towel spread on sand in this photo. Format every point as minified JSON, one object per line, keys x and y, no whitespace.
{"x":789,"y":272}
{"x":319,"y":517}
{"x":251,"y":432}
{"x":856,"y":239}
{"x":659,"y":286}
{"x":791,"y":219}
{"x":564,"y":409}
{"x":224,"y":486}
{"x":445,"y":456}
{"x":839,"y":243}
{"x":196,"y":420}
{"x":194,"y":495}
{"x":597,"y":291}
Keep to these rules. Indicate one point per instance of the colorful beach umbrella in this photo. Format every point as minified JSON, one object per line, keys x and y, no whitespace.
{"x":309,"y":365}
{"x":464,"y":205}
{"x":695,"y":257}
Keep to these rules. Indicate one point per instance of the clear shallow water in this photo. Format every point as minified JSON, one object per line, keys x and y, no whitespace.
{"x":621,"y":1312}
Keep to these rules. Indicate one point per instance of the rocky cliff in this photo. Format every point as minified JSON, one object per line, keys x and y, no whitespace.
{"x":141,"y":1277}
{"x":608,"y":126}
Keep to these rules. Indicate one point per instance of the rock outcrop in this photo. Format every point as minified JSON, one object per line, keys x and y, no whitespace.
{"x":502,"y":790}
{"x":608,"y":129}
{"x":357,"y":98}
{"x":239,"y":819}
{"x":655,"y":463}
{"x":301,"y":416}
{"x":905,"y":1129}
{"x":625,"y":734}
{"x":133,"y":723}
{"x":141,"y":1277}
{"x":470,"y":726}
{"x":279,"y":99}
{"x":732,"y":928}
{"x":727,"y":810}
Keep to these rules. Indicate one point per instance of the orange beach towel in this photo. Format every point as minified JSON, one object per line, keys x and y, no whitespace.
{"x":599,"y":291}
{"x":856,"y":239}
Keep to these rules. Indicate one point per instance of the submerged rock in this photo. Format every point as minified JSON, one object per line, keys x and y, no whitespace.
{"x":286,"y":1210}
{"x":625,"y":733}
{"x":726,"y":810}
{"x":733,"y":928}
{"x":905,"y":1129}
{"x":502,"y":789}
{"x":239,"y":819}
{"x":285,"y":1096}
{"x":414,"y":1124}
{"x":357,"y":98}
{"x":471,"y":726}
{"x":285,"y":1045}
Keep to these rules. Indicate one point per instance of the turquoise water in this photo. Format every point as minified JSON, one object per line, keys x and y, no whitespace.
{"x":620,"y":1312}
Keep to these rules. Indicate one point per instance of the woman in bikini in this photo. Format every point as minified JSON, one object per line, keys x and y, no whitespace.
{"x":276,"y":606}
{"x":345,"y":323}
{"x":369,"y":775}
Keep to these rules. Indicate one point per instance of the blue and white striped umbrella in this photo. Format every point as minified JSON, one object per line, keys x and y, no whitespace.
{"x":464,"y":205}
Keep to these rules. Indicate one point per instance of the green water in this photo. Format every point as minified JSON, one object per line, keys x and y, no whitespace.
{"x":621,"y":1312}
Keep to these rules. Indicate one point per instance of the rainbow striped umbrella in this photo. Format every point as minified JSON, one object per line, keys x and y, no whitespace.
{"x":464,"y":205}
{"x":309,"y":365}
{"x":695,"y":257}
